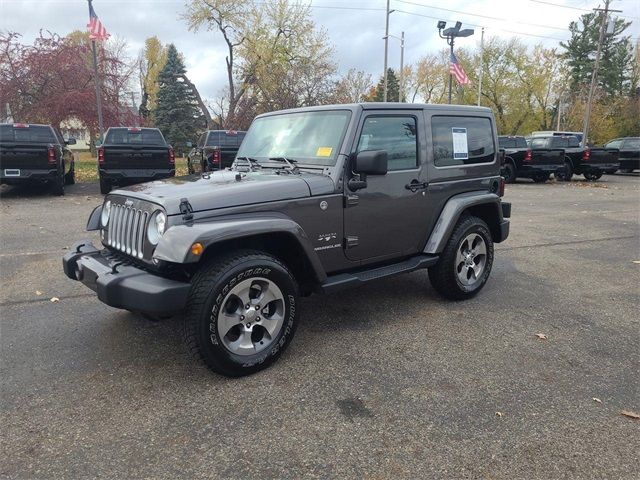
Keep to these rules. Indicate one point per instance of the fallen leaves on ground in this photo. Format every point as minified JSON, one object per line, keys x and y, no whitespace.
{"x":499,"y":414}
{"x":38,"y":292}
{"x":597,"y":400}
{"x":637,"y":262}
{"x":630,"y":414}
{"x":541,"y":336}
{"x":54,"y":300}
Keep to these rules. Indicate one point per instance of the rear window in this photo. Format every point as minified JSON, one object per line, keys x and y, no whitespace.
{"x":30,"y":134}
{"x":538,"y":142}
{"x":126,"y":136}
{"x":462,"y":140}
{"x":512,"y":142}
{"x":225,"y":139}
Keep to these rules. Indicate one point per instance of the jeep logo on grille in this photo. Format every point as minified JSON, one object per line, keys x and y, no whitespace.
{"x":128,"y":203}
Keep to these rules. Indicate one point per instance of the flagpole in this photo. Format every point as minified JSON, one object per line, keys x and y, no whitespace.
{"x":97,"y":83}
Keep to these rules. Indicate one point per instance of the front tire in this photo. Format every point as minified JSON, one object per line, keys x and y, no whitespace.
{"x":242,"y":312}
{"x":58,"y":186}
{"x":541,"y":178}
{"x":70,"y":178}
{"x":566,"y":174}
{"x":465,"y":263}
{"x":592,"y":176}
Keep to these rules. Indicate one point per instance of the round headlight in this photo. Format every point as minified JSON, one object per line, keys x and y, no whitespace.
{"x":106,"y":211}
{"x":157,"y":226}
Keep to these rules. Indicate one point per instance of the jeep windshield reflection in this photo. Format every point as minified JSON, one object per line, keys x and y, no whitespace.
{"x":311,"y":138}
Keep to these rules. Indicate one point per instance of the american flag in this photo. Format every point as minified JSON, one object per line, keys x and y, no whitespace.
{"x":95,"y":27}
{"x":457,"y":71}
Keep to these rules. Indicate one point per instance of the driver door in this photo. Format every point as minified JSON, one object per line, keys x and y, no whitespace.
{"x":389,"y":217}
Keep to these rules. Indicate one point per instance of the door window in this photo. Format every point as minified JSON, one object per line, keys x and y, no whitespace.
{"x":396,"y":135}
{"x":462,"y":140}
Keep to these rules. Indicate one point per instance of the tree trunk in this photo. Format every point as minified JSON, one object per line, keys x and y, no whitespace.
{"x":201,"y":104}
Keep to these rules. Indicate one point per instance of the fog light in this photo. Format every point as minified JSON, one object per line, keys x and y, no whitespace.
{"x":197,"y":249}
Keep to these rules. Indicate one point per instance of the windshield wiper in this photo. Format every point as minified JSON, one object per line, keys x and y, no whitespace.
{"x":288,"y":161}
{"x":251,"y":162}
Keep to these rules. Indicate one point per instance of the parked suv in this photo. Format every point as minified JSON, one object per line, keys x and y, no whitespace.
{"x":134,"y":155}
{"x":319,"y":199}
{"x":31,"y":153}
{"x":216,"y":149}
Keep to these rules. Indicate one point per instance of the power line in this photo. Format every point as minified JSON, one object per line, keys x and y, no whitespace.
{"x":480,"y":15}
{"x":578,"y":8}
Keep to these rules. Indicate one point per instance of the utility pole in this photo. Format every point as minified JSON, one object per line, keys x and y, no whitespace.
{"x":481,"y":65}
{"x":97,"y":82}
{"x":386,"y":51}
{"x":401,"y":96}
{"x":594,"y":74}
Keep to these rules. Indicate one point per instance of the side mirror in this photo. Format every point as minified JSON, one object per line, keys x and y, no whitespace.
{"x":371,"y":162}
{"x":71,"y":141}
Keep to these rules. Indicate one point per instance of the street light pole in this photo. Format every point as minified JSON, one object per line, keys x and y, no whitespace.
{"x":481,"y":65}
{"x":401,"y":96}
{"x":450,"y":42}
{"x":386,"y":51}
{"x":97,"y":83}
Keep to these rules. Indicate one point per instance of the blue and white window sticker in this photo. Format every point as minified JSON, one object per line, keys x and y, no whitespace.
{"x":460,"y":147}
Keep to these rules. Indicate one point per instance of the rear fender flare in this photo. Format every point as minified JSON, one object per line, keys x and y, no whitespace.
{"x":450,"y":215}
{"x":175,"y":244}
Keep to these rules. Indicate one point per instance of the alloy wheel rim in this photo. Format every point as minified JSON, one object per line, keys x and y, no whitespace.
{"x":471,"y":259}
{"x":251,"y":316}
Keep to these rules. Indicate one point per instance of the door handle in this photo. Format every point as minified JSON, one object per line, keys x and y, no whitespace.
{"x":415,"y":185}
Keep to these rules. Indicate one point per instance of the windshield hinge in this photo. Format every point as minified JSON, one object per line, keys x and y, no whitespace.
{"x":186,"y":209}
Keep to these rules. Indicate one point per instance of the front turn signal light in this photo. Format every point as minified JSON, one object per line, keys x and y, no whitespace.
{"x":197,"y":249}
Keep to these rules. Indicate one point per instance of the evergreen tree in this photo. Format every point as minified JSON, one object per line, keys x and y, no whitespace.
{"x":393,"y":89}
{"x":614,"y":73}
{"x":176,"y":113}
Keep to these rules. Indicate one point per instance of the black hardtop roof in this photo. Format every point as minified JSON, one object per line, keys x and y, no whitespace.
{"x":386,"y":106}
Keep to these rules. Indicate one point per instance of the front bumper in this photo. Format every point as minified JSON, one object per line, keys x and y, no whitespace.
{"x":123,"y":286}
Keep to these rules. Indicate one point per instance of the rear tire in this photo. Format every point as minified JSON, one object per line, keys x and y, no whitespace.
{"x":626,"y":170}
{"x":58,"y":186}
{"x":105,"y":186}
{"x":70,"y":178}
{"x":221,"y":331}
{"x":465,"y":263}
{"x":509,"y":172}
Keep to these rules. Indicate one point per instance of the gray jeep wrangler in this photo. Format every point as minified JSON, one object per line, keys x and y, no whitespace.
{"x":318,"y":199}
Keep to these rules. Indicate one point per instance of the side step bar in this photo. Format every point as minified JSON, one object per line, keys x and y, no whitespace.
{"x":340,"y":281}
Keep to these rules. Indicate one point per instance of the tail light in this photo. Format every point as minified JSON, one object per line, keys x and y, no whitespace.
{"x":586,"y":155}
{"x":172,"y":156}
{"x":501,"y":187}
{"x":216,"y":156}
{"x":528,"y":156}
{"x":51,"y":155}
{"x":101,"y":156}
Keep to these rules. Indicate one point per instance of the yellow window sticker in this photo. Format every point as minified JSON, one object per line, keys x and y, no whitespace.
{"x":324,"y":151}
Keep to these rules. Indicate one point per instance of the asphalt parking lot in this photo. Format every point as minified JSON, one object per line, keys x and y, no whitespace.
{"x":386,"y":381}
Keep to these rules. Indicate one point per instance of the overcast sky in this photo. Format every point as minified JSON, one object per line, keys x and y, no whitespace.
{"x":355,"y":28}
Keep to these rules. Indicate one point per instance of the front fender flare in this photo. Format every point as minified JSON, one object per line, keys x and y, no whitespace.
{"x":175,"y":244}
{"x":451,"y":213}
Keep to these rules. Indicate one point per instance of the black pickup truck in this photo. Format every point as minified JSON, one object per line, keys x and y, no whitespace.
{"x":522,"y":161}
{"x":629,"y":153}
{"x":590,"y":162}
{"x":134,"y":155}
{"x":32,"y":153}
{"x":216,"y":149}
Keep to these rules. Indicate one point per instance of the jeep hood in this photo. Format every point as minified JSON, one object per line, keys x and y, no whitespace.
{"x":227,"y":188}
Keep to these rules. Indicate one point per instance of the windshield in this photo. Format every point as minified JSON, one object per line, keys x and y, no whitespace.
{"x":306,"y":137}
